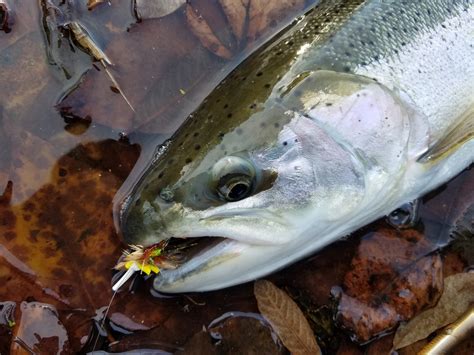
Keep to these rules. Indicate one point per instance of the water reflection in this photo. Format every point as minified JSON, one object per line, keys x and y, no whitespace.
{"x":63,"y":156}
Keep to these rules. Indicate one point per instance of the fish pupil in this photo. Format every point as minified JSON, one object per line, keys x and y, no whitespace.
{"x":238,"y":191}
{"x":235,"y":187}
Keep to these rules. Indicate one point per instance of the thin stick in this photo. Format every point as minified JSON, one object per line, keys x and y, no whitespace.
{"x":102,"y":323}
{"x":84,"y":39}
{"x":109,"y":74}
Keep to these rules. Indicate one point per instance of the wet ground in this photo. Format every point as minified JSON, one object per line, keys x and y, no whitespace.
{"x":69,"y":140}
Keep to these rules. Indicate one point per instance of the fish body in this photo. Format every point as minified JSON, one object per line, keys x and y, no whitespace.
{"x":353,"y":110}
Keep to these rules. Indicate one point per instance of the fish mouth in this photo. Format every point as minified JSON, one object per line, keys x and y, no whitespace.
{"x":191,"y":272}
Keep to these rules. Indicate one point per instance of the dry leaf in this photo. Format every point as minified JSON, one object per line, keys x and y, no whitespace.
{"x":204,"y":33}
{"x":91,"y":4}
{"x":148,"y":9}
{"x":236,"y":13}
{"x":286,"y":318}
{"x":457,"y":296}
{"x":262,"y":16}
{"x":390,"y":280}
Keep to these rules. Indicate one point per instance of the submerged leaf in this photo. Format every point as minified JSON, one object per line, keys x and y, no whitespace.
{"x":457,"y":297}
{"x":236,"y":13}
{"x":148,"y":9}
{"x":92,"y":4}
{"x":391,"y":280}
{"x":262,"y":17}
{"x":204,"y":33}
{"x":286,"y":318}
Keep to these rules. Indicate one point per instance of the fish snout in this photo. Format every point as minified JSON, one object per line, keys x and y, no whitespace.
{"x":141,"y":224}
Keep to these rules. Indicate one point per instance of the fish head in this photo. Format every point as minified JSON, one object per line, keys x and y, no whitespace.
{"x":274,"y":183}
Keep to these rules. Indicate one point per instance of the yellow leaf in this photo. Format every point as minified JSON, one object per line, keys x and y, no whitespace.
{"x":457,"y":296}
{"x":154,"y":268}
{"x":129,"y":264}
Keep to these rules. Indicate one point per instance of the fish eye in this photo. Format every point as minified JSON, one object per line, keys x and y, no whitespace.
{"x":233,"y":178}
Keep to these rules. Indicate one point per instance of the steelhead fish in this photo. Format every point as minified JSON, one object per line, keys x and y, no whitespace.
{"x":351,"y":111}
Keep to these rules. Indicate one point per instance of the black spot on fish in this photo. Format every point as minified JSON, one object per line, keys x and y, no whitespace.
{"x":259,"y":73}
{"x":160,"y":175}
{"x":276,"y":125}
{"x":221,"y":135}
{"x":252,"y":106}
{"x":197,"y":147}
{"x":229,"y":115}
{"x":285,"y":143}
{"x":188,"y":160}
{"x":62,"y":172}
{"x":267,"y":86}
{"x":225,"y":106}
{"x":346,"y":69}
{"x":376,"y":57}
{"x":196,"y":134}
{"x":244,"y":78}
{"x":328,"y":104}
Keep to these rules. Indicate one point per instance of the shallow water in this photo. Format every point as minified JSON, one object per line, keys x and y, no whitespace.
{"x":69,"y":141}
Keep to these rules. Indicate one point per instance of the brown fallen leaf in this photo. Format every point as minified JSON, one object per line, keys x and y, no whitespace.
{"x":456,"y":298}
{"x":236,"y":335}
{"x":262,"y":16}
{"x":148,"y":9}
{"x":286,"y":318}
{"x":236,"y":13}
{"x":391,"y":280}
{"x":92,"y":4}
{"x":204,"y":33}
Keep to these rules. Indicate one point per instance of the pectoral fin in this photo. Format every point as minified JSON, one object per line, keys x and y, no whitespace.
{"x":461,"y":132}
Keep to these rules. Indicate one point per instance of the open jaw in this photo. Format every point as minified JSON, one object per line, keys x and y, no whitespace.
{"x":207,"y":264}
